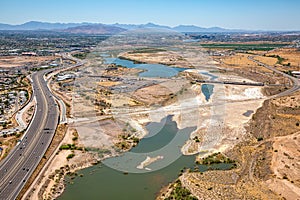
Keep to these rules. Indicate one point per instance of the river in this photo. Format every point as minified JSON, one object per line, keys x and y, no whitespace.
{"x":119,"y":178}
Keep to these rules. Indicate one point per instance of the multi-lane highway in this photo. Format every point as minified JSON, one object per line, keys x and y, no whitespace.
{"x":24,"y":158}
{"x":19,"y":165}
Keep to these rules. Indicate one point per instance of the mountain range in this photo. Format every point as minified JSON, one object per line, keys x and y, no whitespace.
{"x":98,"y":28}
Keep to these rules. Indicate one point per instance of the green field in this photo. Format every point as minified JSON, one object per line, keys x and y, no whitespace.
{"x":245,"y":47}
{"x":147,"y":50}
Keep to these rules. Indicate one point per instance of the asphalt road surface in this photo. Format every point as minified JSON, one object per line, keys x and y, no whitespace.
{"x":296,"y":81}
{"x":19,"y":165}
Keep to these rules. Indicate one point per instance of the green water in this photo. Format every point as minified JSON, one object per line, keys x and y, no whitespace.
{"x":104,"y":182}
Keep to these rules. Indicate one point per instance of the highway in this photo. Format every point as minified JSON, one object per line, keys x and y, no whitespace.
{"x":296,"y":81}
{"x":19,"y":165}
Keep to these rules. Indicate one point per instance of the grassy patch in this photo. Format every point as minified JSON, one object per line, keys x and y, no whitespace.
{"x":216,"y":158}
{"x":69,"y":147}
{"x":179,"y":192}
{"x":146,"y":50}
{"x":80,"y":55}
{"x":279,"y":59}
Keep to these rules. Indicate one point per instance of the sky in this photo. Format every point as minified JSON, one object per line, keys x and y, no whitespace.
{"x":239,"y":14}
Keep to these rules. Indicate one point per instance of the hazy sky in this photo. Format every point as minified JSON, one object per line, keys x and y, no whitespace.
{"x":245,"y":14}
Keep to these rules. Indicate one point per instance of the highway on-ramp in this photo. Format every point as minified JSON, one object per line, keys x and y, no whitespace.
{"x":19,"y":165}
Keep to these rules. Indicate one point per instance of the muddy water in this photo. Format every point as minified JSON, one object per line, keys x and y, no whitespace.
{"x":105,"y":182}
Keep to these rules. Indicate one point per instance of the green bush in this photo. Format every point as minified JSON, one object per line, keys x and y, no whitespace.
{"x":260,"y":139}
{"x":70,"y":156}
{"x":179,"y":193}
{"x":68,"y":147}
{"x":216,"y":158}
{"x":136,"y":140}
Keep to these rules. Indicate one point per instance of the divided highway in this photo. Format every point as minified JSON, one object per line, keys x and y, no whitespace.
{"x":19,"y":165}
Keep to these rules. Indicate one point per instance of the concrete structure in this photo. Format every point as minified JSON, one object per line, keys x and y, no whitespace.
{"x":296,"y":74}
{"x":65,"y":77}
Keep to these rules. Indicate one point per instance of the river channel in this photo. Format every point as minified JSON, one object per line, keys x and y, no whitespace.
{"x":119,"y":178}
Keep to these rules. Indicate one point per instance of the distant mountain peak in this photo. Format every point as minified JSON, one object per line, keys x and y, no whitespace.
{"x":99,"y":27}
{"x":95,"y":29}
{"x":151,"y":24}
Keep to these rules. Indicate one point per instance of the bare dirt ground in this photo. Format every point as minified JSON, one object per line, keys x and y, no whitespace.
{"x":7,"y":143}
{"x":267,"y":60}
{"x":290,"y":55}
{"x":285,"y":166}
{"x":28,"y":113}
{"x":17,"y":61}
{"x":120,"y":71}
{"x":160,"y":57}
{"x":247,"y":134}
{"x":239,"y":64}
{"x":108,"y":83}
{"x":159,"y":93}
{"x":102,"y":134}
{"x":267,"y":163}
{"x":241,"y":61}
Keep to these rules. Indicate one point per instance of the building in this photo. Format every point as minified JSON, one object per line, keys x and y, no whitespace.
{"x":65,"y":77}
{"x":296,"y":74}
{"x":29,"y":54}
